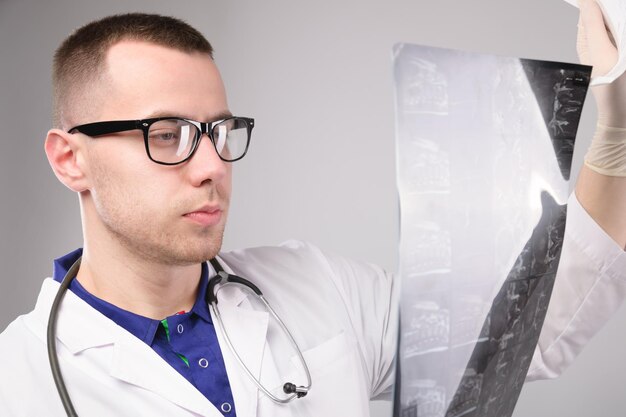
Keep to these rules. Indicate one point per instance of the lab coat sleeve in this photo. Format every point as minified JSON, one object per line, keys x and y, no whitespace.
{"x":370,"y":297}
{"x":590,"y":286}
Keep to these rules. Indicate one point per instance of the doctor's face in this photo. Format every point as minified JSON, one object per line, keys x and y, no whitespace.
{"x":176,"y":214}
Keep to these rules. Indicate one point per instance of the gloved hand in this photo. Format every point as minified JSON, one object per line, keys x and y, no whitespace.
{"x":596,"y":47}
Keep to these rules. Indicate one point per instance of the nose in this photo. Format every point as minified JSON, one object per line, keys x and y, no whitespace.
{"x":205,"y":164}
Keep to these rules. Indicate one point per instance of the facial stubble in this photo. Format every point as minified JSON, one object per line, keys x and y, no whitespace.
{"x":156,"y":235}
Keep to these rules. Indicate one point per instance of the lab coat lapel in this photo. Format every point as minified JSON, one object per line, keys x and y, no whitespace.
{"x":81,"y":328}
{"x":136,"y":363}
{"x":247,"y":330}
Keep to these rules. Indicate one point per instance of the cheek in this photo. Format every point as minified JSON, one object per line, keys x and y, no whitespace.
{"x":132,"y":207}
{"x":228,"y":179}
{"x":123,"y":193}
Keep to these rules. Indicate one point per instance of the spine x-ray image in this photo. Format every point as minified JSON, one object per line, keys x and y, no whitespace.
{"x":484,"y":149}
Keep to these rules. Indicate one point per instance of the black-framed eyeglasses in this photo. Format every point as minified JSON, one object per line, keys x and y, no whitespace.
{"x":173,"y":140}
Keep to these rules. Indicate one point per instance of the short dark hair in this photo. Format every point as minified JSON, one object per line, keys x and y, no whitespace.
{"x":79,"y":60}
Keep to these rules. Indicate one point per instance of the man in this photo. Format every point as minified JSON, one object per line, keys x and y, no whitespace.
{"x":134,"y":335}
{"x":150,"y":217}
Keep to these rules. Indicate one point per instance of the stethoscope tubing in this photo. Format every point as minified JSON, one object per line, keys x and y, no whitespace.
{"x":227,"y":278}
{"x":212,"y":302}
{"x":51,"y":340}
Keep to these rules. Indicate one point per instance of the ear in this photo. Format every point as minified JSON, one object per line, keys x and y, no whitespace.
{"x":66,"y":157}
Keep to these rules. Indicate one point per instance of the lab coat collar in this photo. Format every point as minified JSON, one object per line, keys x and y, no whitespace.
{"x":80,"y":327}
{"x":76,"y":319}
{"x":228,"y":294}
{"x":83,"y":315}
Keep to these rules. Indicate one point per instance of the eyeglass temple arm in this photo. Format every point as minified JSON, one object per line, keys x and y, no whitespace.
{"x":105,"y":128}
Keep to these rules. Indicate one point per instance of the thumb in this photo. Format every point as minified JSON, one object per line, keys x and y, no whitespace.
{"x":581,"y":43}
{"x":595,"y":43}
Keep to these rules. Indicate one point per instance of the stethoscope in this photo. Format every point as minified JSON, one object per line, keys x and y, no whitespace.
{"x":221,"y":277}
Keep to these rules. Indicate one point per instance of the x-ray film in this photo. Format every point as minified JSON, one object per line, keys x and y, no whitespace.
{"x":484,"y":149}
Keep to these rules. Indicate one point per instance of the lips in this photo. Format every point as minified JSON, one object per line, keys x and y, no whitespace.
{"x":205,"y":215}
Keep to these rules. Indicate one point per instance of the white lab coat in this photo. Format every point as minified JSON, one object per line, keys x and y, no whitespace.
{"x":343,"y":314}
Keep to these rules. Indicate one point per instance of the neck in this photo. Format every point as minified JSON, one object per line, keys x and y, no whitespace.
{"x":146,"y":288}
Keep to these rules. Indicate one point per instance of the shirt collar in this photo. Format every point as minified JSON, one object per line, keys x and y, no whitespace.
{"x":141,"y":327}
{"x":64,"y":263}
{"x":200,"y":307}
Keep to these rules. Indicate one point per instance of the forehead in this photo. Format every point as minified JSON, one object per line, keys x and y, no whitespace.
{"x":145,"y":78}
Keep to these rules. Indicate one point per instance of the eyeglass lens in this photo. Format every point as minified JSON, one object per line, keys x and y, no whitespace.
{"x":172,"y":140}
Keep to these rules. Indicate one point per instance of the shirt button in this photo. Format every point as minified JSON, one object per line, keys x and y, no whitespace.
{"x":226,"y":407}
{"x":180,"y":328}
{"x":204,"y":363}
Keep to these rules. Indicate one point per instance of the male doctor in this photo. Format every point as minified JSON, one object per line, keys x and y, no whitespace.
{"x":144,"y":135}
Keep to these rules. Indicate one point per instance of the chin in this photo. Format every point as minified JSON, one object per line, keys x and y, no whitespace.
{"x":185,"y":258}
{"x":201,"y":252}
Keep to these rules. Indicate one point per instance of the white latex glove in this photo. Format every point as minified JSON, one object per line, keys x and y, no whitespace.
{"x":595,"y":45}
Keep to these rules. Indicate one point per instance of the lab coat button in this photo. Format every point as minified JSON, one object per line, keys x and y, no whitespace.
{"x":204,"y":363}
{"x":226,"y":407}
{"x":180,"y":328}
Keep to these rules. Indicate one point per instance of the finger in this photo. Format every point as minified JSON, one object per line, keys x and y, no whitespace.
{"x":581,"y":43}
{"x":601,"y":50}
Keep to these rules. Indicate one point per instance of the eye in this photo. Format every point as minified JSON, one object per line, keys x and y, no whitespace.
{"x":165,"y":135}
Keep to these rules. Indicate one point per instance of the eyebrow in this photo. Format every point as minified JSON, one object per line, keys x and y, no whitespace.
{"x":168,"y":113}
